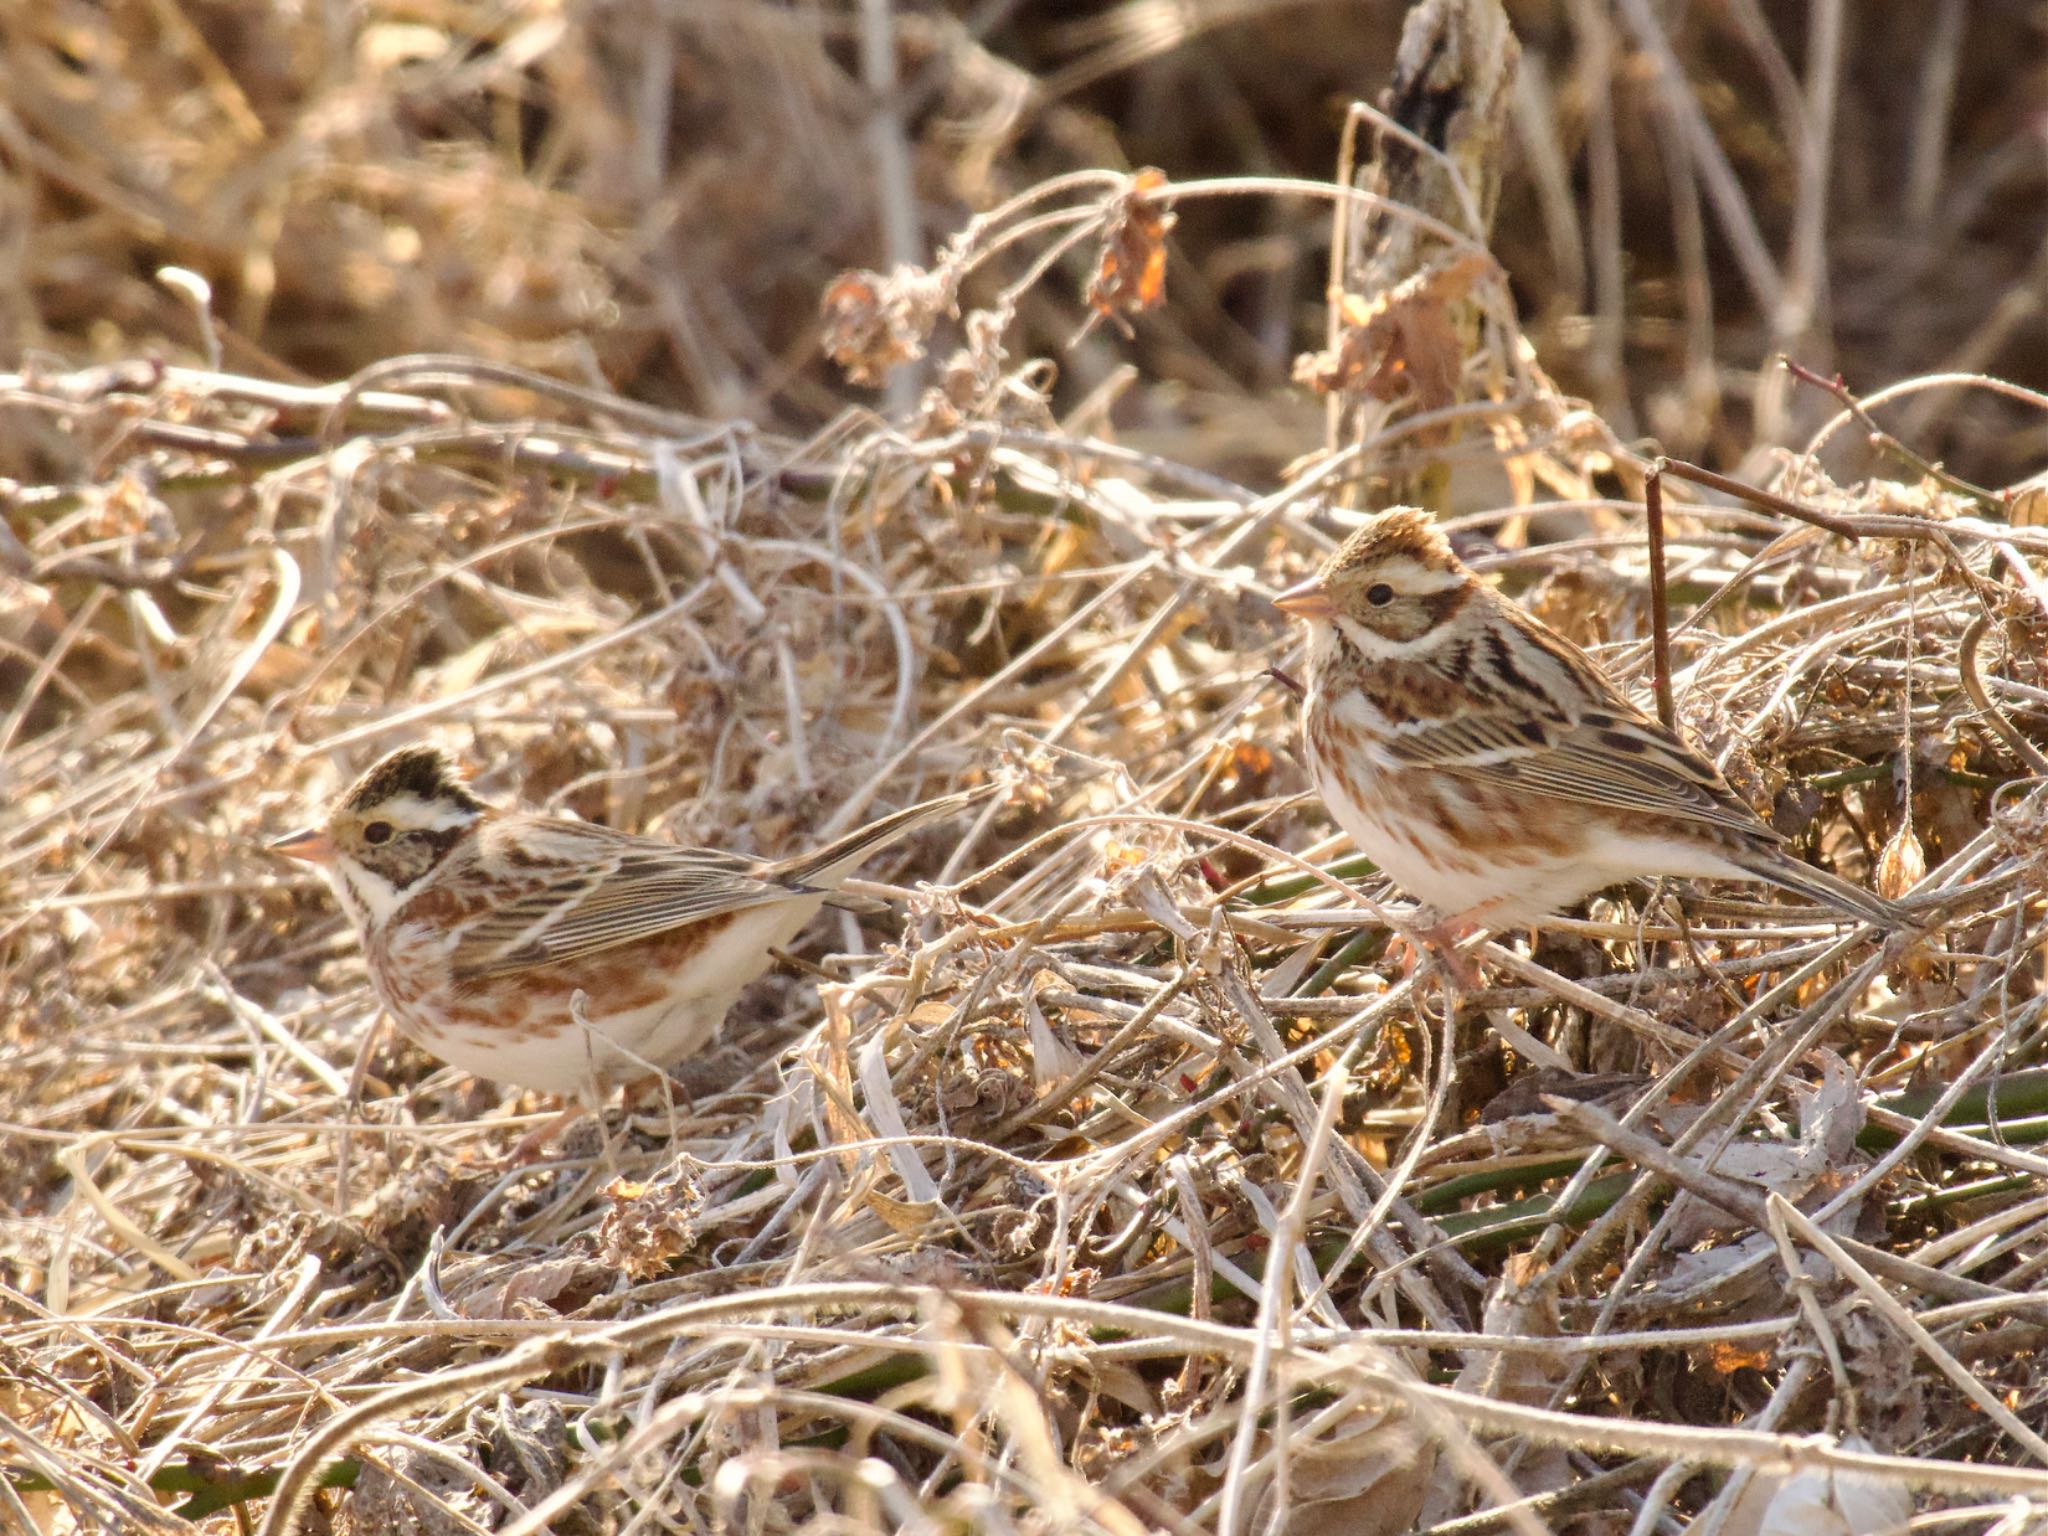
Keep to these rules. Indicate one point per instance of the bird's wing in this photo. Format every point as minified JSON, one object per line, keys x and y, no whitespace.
{"x":1611,"y":758}
{"x":597,"y":889}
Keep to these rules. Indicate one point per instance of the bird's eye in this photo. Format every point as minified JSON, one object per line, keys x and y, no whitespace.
{"x":1379,"y":594}
{"x":377,"y":832}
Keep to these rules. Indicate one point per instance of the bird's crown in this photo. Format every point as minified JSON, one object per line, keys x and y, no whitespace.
{"x":1399,"y":533}
{"x":426,"y":772}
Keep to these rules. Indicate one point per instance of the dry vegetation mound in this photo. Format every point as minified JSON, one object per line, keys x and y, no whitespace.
{"x":1119,"y":1180}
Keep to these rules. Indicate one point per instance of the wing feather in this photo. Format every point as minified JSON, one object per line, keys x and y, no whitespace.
{"x":612,"y":889}
{"x":1620,"y":761}
{"x":590,"y":888}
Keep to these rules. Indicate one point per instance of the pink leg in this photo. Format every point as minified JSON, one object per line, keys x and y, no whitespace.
{"x":1439,"y":941}
{"x":1443,"y":939}
{"x":529,"y":1147}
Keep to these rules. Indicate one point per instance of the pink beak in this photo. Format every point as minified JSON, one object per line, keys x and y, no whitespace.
{"x":313,"y":845}
{"x":1306,"y":600}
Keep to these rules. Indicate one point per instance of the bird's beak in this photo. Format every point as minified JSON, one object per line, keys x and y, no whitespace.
{"x":1306,"y":600}
{"x":313,"y":845}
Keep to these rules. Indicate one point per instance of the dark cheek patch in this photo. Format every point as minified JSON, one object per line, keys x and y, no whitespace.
{"x":410,"y":857}
{"x":1443,"y":605}
{"x":1400,"y":621}
{"x":437,"y":844}
{"x":1410,"y":617}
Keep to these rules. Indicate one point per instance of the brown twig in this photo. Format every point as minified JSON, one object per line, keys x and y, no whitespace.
{"x":1660,"y":615}
{"x":1910,"y":529}
{"x":1972,"y":676}
{"x":1884,"y":442}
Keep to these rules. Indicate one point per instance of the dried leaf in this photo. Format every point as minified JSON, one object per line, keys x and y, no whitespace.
{"x":2029,"y":507}
{"x":1821,"y":1502}
{"x":1130,"y":274}
{"x":1366,"y":1478}
{"x":906,"y":1218}
{"x":1519,"y":1306}
{"x":649,"y":1226}
{"x":872,"y":323}
{"x":1403,"y":342}
{"x":1903,"y":864}
{"x":532,"y":1290}
{"x":1726,"y":1358}
{"x":1052,"y":1060}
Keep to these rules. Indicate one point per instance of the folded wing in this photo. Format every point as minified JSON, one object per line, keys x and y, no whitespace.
{"x":613,"y":889}
{"x":1617,"y":761}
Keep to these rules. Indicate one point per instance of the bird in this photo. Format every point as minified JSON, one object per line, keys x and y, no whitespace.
{"x":558,"y":955}
{"x":1488,"y":766}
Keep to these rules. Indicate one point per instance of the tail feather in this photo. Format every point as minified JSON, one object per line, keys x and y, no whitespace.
{"x":826,"y":867}
{"x":1788,"y":873}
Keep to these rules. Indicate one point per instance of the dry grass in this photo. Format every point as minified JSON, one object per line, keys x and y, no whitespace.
{"x":1123,"y":1183}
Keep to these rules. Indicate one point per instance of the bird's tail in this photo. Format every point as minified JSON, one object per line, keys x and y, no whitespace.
{"x":1782,"y":870}
{"x":827,"y":866}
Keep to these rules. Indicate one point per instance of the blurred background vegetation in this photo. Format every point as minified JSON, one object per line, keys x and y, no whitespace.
{"x":651,"y":196}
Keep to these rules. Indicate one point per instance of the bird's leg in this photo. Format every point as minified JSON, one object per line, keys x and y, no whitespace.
{"x":1444,"y":939}
{"x":527,"y":1150}
{"x":1439,"y":941}
{"x":654,"y":1092}
{"x":607,"y":1149}
{"x":589,"y":1100}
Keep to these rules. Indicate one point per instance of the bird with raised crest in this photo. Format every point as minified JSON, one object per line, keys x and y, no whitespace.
{"x":1488,"y":766}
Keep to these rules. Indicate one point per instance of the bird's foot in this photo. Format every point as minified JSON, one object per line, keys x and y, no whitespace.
{"x":1439,"y":942}
{"x":528,"y":1149}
